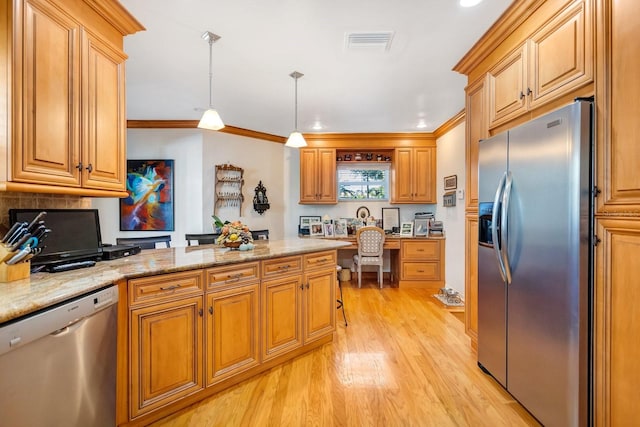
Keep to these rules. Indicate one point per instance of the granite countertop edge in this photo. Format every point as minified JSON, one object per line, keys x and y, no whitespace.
{"x":42,"y":290}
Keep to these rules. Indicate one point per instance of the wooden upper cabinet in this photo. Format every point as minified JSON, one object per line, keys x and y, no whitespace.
{"x":413,"y":178}
{"x":318,"y":176}
{"x":476,"y":130}
{"x":618,"y":128}
{"x":67,"y":118}
{"x":553,"y":61}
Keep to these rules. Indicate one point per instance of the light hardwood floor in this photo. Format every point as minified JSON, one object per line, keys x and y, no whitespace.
{"x":402,"y":361}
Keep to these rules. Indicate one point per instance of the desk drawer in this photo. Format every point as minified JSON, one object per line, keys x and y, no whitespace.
{"x":279,"y":266}
{"x":165,"y":286}
{"x":236,"y":274}
{"x":320,"y":259}
{"x":420,"y":271}
{"x":421,"y":250}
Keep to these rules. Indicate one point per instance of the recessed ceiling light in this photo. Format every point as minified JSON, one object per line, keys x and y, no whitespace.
{"x":317,"y":126}
{"x":421,"y":124}
{"x":469,"y":3}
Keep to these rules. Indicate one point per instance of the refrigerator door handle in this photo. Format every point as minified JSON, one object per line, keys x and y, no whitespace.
{"x":494,"y":228}
{"x":504,"y":235}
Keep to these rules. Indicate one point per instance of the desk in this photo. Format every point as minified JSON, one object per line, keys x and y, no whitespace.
{"x":416,"y":262}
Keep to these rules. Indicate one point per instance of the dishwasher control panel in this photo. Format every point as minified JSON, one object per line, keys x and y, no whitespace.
{"x":54,"y":320}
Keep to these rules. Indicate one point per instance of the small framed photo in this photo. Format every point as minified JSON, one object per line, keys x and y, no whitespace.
{"x":316,"y":228}
{"x":328,"y":229}
{"x":406,"y":229}
{"x":421,"y":227}
{"x":391,"y":219}
{"x":306,"y":220}
{"x":451,"y":182}
{"x":340,"y":228}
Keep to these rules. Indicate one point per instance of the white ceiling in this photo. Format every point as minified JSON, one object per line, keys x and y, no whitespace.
{"x":263,"y":41}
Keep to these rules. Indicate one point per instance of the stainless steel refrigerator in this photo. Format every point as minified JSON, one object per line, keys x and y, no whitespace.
{"x":534,"y":263}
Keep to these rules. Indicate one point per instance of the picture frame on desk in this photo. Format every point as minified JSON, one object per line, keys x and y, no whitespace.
{"x":305,"y":221}
{"x":328,"y":229}
{"x":340,"y":228}
{"x":421,"y":227}
{"x":390,"y":219}
{"x":316,"y":228}
{"x":406,"y":228}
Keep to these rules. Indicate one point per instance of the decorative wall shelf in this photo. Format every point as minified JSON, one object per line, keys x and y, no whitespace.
{"x":228,"y":188}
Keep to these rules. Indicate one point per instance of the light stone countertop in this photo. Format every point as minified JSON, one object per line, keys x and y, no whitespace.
{"x":45,"y":289}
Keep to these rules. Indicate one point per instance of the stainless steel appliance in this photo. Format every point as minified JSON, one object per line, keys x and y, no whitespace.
{"x":58,"y":366}
{"x":534,"y":263}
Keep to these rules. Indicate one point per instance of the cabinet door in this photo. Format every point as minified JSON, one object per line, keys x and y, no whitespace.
{"x":46,"y":137}
{"x":471,"y":278}
{"x":507,"y":87}
{"x":617,"y":124}
{"x":233,"y":330}
{"x":166,"y":354}
{"x":308,"y":175}
{"x":103,"y":130}
{"x":424,"y":175}
{"x":281,"y":311}
{"x":476,"y":128}
{"x":326,"y":170}
{"x":402,"y":167}
{"x":617,"y":321}
{"x":561,"y":55}
{"x":319,"y":304}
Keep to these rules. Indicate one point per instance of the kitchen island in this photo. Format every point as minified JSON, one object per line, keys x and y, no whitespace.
{"x":193,"y":321}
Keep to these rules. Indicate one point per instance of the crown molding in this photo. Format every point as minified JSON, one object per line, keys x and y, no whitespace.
{"x":450,"y":124}
{"x":193,"y":124}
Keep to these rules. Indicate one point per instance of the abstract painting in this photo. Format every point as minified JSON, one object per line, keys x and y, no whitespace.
{"x":149,"y":205}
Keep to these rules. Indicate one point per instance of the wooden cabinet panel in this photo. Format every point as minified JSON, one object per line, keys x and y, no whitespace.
{"x":507,"y":85}
{"x":421,"y":250}
{"x":617,"y":321}
{"x":422,"y":263}
{"x":421,"y":271}
{"x":46,"y":133}
{"x":413,"y":177}
{"x":164,"y":287}
{"x":281,"y":315}
{"x":561,"y":54}
{"x":471,"y":278}
{"x":319,"y":304}
{"x":233,"y":331}
{"x":476,"y":130}
{"x":279,"y":266}
{"x":318,"y":175}
{"x":618,"y":127}
{"x":320,"y":260}
{"x":104,"y":121}
{"x":165,"y":354}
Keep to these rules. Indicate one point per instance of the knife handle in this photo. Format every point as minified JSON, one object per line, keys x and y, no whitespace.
{"x":12,"y":230}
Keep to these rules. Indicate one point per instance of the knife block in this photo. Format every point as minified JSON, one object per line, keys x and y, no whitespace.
{"x":9,"y":273}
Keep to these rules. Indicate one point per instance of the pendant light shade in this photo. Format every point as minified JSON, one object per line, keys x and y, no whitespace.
{"x":211,"y":119}
{"x":296,"y":140}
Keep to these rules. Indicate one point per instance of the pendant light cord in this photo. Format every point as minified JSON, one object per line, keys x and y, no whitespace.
{"x":211,"y":72}
{"x":296,"y":106}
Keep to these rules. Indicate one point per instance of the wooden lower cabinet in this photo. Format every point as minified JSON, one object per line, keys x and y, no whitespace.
{"x":319,"y":298}
{"x":166,"y":353}
{"x":281,"y":315}
{"x":232,"y":333}
{"x":422,"y":263}
{"x":471,"y":278}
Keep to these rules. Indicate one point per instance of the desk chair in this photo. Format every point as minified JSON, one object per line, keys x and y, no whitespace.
{"x":202,"y":239}
{"x":145,"y":242}
{"x":260,"y":234}
{"x":370,"y":241}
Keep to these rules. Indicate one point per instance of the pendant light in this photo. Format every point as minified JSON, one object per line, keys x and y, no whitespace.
{"x":296,"y":140}
{"x":210,"y":119}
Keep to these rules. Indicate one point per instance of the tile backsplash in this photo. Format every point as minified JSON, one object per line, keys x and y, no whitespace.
{"x":10,"y":200}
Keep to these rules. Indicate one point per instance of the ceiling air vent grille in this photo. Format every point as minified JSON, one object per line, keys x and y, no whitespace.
{"x":380,"y":40}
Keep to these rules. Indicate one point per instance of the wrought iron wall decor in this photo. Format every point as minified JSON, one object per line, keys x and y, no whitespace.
{"x":260,"y":200}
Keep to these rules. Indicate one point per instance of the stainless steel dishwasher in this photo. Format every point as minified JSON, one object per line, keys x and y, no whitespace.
{"x":58,"y":366}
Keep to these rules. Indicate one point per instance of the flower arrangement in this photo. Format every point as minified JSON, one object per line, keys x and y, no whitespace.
{"x":233,"y":234}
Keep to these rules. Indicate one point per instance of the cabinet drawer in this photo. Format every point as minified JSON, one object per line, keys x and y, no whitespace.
{"x":236,"y":274}
{"x":164,"y":287}
{"x":421,"y":271}
{"x":273,"y":267}
{"x":421,"y":250}
{"x":320,"y":259}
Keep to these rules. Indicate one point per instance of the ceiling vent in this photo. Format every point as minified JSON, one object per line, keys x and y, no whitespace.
{"x":380,"y":40}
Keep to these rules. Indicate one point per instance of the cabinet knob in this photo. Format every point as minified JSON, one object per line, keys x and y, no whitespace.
{"x":521,"y":95}
{"x":79,"y":166}
{"x":529,"y":91}
{"x":200,"y":312}
{"x":302,"y":286}
{"x":89,"y":168}
{"x":210,"y":309}
{"x":307,"y":286}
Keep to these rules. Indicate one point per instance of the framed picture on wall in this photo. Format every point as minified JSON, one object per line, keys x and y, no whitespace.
{"x":150,"y":203}
{"x":451,"y":182}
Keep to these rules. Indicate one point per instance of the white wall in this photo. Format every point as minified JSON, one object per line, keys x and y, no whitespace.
{"x":196,"y":153}
{"x":451,"y":161}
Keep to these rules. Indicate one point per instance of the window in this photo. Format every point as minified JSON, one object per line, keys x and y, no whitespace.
{"x":363,"y":182}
